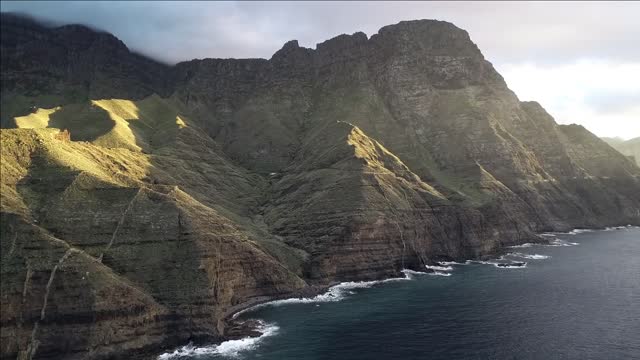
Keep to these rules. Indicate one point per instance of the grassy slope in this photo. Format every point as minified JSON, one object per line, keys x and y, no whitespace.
{"x":150,"y":141}
{"x":117,"y":196}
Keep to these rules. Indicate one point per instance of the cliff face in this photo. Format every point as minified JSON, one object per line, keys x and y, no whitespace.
{"x":181,"y":193}
{"x":424,"y":91}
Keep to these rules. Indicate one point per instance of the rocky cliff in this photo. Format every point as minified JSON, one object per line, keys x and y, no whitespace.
{"x":142,"y":203}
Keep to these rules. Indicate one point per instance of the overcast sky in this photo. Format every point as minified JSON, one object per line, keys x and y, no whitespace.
{"x":581,"y":61}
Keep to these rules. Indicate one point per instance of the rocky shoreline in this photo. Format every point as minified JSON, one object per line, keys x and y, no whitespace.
{"x":238,"y":329}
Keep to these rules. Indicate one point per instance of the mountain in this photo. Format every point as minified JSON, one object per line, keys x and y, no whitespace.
{"x":629,"y":148}
{"x":44,"y":67}
{"x":142,"y":204}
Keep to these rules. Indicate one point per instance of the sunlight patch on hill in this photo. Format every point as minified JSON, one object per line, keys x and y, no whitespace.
{"x":113,"y":123}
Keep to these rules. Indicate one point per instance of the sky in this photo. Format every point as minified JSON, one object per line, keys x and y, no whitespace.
{"x":580,"y":60}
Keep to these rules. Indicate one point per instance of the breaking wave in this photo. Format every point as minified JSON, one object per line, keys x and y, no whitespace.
{"x":572,"y":232}
{"x":579,"y":231}
{"x":525,"y":245}
{"x":439,"y":273}
{"x":529,"y":256}
{"x":554,"y":242}
{"x":621,"y":228}
{"x":559,"y":243}
{"x":231,"y":348}
{"x":510,"y":266}
{"x":334,"y":293}
{"x":412,"y":273}
{"x":614,"y":228}
{"x":439,"y":268}
{"x":449,"y":263}
{"x":340,"y":291}
{"x":502,"y":265}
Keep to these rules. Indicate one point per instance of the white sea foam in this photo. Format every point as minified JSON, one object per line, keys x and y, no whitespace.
{"x":548,"y":234}
{"x":480,"y":262}
{"x":231,"y":348}
{"x":334,"y":293}
{"x":509,"y":266}
{"x":525,"y":245}
{"x":572,"y":232}
{"x":560,"y":243}
{"x":340,"y":291}
{"x":484,"y":262}
{"x":439,"y":268}
{"x":529,"y":256}
{"x":554,"y":242}
{"x":410,"y":273}
{"x":497,"y":264}
{"x":579,"y":231}
{"x":439,"y":273}
{"x":621,"y":228}
{"x":449,"y":263}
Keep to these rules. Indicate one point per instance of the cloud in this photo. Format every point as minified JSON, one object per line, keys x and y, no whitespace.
{"x":168,"y":31}
{"x":607,"y":102}
{"x":507,"y":32}
{"x":583,"y":50}
{"x":603,"y":96}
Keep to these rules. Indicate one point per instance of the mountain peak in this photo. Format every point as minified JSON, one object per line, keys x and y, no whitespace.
{"x":434,"y":36}
{"x":421,"y":25}
{"x":82,"y":37}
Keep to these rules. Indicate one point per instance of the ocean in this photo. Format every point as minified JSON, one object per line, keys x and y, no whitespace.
{"x":577,"y":298}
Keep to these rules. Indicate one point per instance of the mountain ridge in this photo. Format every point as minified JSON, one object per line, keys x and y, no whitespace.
{"x":629,"y":147}
{"x":196,"y":189}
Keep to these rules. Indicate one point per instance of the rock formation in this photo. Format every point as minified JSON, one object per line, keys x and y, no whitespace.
{"x":180,"y":194}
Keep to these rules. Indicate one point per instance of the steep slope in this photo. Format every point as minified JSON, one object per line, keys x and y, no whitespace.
{"x":177,"y":264}
{"x":58,"y":301}
{"x":359,"y":211}
{"x":628,"y":148}
{"x":140,"y":195}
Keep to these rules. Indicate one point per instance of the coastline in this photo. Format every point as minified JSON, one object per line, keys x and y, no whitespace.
{"x":310,"y":293}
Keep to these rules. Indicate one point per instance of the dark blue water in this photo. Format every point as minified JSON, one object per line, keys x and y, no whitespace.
{"x":583,"y":302}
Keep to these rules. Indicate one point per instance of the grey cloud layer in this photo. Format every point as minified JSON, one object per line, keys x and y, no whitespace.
{"x":507,"y":32}
{"x":608,"y":102}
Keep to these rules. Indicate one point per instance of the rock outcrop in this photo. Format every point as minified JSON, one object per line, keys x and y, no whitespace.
{"x":142,"y":203}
